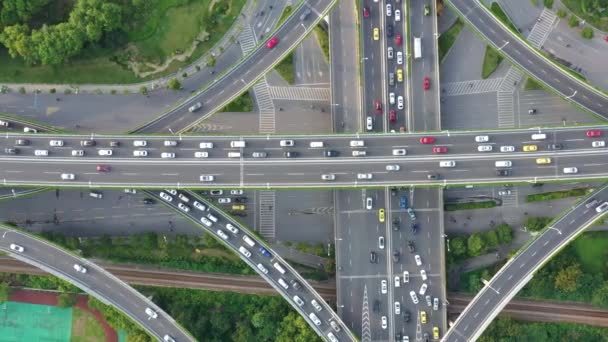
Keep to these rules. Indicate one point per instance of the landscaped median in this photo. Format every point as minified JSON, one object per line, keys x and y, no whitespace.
{"x":554,"y":195}
{"x":447,"y":39}
{"x":469,"y":205}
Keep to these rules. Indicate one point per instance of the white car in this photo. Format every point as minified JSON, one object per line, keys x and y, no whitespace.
{"x":286,"y":143}
{"x":391,"y":98}
{"x":316,"y":305}
{"x":183,"y":207}
{"x":384,"y":322}
{"x":206,"y":222}
{"x":130,"y":191}
{"x":140,"y":143}
{"x":570,"y":170}
{"x":172,"y":191}
{"x":77,"y":153}
{"x":397,"y":281}
{"x":383,"y":287}
{"x":140,"y":153}
{"x":414,"y":297}
{"x":359,"y":153}
{"x":504,"y":192}
{"x":16,"y":248}
{"x":4,"y":123}
{"x":328,"y":177}
{"x":29,"y":130}
{"x":314,"y":319}
{"x":68,"y":176}
{"x":423,"y":275}
{"x":389,"y":10}
{"x":447,"y":163}
{"x":206,"y":178}
{"x":167,"y":155}
{"x":168,"y":338}
{"x":390,"y":52}
{"x":418,"y":260}
{"x":262,"y":268}
{"x":397,"y":15}
{"x":393,"y":168}
{"x":232,"y":228}
{"x":400,"y":102}
{"x":598,"y":143}
{"x":406,"y":276}
{"x":221,"y":234}
{"x":399,"y":57}
{"x":369,"y":123}
{"x":201,"y":154}
{"x":170,"y":143}
{"x":399,"y":152}
{"x":507,"y":148}
{"x":198,"y":205}
{"x":56,"y":143}
{"x":205,"y":145}
{"x":482,"y":138}
{"x":381,"y":242}
{"x":423,"y":288}
{"x":296,"y":299}
{"x":357,"y":143}
{"x":80,"y":268}
{"x":236,"y":192}
{"x":397,"y":308}
{"x":245,"y":251}
{"x":484,"y":148}
{"x":151,"y":313}
{"x":369,"y":203}
{"x":195,"y":107}
{"x":428,"y":300}
{"x":224,"y":200}
{"x":104,"y":152}
{"x":435,"y":303}
{"x":364,"y":176}
{"x":41,"y":153}
{"x":165,"y":196}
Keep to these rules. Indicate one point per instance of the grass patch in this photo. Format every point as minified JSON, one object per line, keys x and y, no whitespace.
{"x":242,"y":103}
{"x":553,"y":195}
{"x":285,"y":69}
{"x":286,"y":13}
{"x":531,"y":84}
{"x":323,"y":37}
{"x":502,"y":16}
{"x":491,"y":60}
{"x":85,"y":327}
{"x":592,"y":11}
{"x":592,"y":250}
{"x":447,"y":39}
{"x":470,"y":205}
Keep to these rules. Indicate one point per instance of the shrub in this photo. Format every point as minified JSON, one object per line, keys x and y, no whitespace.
{"x":562,"y":13}
{"x":52,"y":90}
{"x":185,"y":74}
{"x":143,"y":90}
{"x":22,"y":90}
{"x":573,"y":21}
{"x":587,"y":33}
{"x":174,"y":84}
{"x":548,"y":3}
{"x":535,"y":224}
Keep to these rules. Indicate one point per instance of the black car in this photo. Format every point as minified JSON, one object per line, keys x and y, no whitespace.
{"x":331,"y":153}
{"x":373,"y":257}
{"x":503,"y":172}
{"x":398,"y":336}
{"x":414,"y":227}
{"x":22,"y":142}
{"x":396,"y":256}
{"x":396,"y":223}
{"x":296,"y":285}
{"x":410,"y":245}
{"x":406,"y":316}
{"x":240,"y":213}
{"x":290,"y":154}
{"x":9,"y":150}
{"x":376,"y":306}
{"x":555,"y":146}
{"x":393,"y":191}
{"x":432,"y":176}
{"x":389,"y":30}
{"x":240,"y":199}
{"x":426,"y":337}
{"x":148,"y":201}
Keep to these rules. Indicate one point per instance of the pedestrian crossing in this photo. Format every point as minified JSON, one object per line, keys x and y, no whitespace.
{"x":510,"y":200}
{"x":247,"y":40}
{"x":506,"y":112}
{"x":267,"y":217}
{"x":299,"y":93}
{"x":471,"y":87}
{"x":539,"y":33}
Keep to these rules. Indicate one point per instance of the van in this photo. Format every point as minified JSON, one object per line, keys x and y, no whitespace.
{"x":503,"y":163}
{"x":248,"y":240}
{"x":238,"y":144}
{"x":212,"y":218}
{"x":234,"y":154}
{"x":283,"y":283}
{"x":95,"y":194}
{"x":447,"y":163}
{"x":316,"y":144}
{"x":539,"y":136}
{"x":279,"y":267}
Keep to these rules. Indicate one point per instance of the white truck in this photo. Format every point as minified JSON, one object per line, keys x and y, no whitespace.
{"x":417,"y":48}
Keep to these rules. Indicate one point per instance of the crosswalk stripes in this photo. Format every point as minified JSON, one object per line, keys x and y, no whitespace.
{"x":267,"y":217}
{"x":471,"y":87}
{"x":510,"y":200}
{"x":247,"y":40}
{"x":542,"y":28}
{"x":506,"y":113}
{"x":300,"y":93}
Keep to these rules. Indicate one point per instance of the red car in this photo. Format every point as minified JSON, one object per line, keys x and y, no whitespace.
{"x":272,"y":42}
{"x":594,"y":133}
{"x":365,"y":12}
{"x":606,"y":38}
{"x":440,"y":149}
{"x":378,"y":106}
{"x":427,"y":140}
{"x":398,"y":39}
{"x":427,"y":83}
{"x":392,"y":115}
{"x":104,"y":168}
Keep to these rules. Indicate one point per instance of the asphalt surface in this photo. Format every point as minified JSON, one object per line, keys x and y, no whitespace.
{"x":519,"y":270}
{"x":528,"y":59}
{"x":95,"y":281}
{"x":242,"y":76}
{"x":257,"y":257}
{"x":277,"y":171}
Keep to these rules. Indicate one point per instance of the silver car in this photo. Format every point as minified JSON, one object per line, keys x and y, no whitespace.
{"x":369,"y":123}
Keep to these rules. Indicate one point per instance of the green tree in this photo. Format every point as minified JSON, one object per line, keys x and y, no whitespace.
{"x":548,"y":3}
{"x":567,"y":279}
{"x":600,"y":296}
{"x":330,"y":266}
{"x":573,"y":21}
{"x":19,"y":11}
{"x":475,"y":244}
{"x":293,"y":328}
{"x":66,"y":300}
{"x":458,"y":246}
{"x":491,"y":239}
{"x":562,"y":13}
{"x":587,"y":33}
{"x":505,"y":233}
{"x":5,"y":292}
{"x":535,"y":224}
{"x":174,"y":84}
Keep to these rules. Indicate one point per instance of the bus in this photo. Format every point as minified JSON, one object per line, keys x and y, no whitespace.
{"x":417,"y":48}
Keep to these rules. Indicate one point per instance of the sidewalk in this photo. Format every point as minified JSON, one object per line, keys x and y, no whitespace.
{"x":216,"y":51}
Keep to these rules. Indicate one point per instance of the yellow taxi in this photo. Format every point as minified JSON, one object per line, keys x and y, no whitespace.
{"x":399,"y":75}
{"x":376,"y":33}
{"x":530,"y":148}
{"x":541,"y":161}
{"x":238,"y":207}
{"x":435,"y":333}
{"x":381,"y":215}
{"x":423,"y":317}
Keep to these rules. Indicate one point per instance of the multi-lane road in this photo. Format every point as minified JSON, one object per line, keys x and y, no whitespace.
{"x":94,"y":280}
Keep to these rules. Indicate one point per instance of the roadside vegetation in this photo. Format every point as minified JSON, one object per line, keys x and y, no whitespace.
{"x":532,"y":84}
{"x":109,"y":42}
{"x":469,"y":205}
{"x":508,"y":329}
{"x":285,"y":69}
{"x":323,"y":37}
{"x":85,"y":327}
{"x":447,"y":39}
{"x":243,"y":103}
{"x":491,"y":60}
{"x":502,"y":16}
{"x":554,"y":195}
{"x":595,"y":12}
{"x":468,"y":246}
{"x":286,"y":13}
